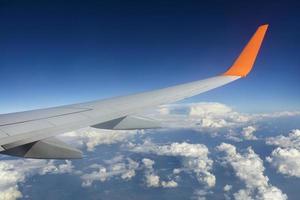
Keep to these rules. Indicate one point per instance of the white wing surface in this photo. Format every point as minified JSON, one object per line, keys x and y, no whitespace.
{"x":30,"y":134}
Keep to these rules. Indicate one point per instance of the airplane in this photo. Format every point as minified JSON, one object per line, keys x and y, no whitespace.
{"x":31,"y":134}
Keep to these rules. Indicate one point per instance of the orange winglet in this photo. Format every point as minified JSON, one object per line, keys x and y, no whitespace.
{"x":244,"y":63}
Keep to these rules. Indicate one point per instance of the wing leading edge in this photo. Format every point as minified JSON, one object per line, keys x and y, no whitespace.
{"x":31,"y":130}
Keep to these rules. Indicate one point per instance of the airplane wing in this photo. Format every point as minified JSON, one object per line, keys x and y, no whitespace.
{"x":30,"y":134}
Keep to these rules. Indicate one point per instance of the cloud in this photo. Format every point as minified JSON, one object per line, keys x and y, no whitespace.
{"x":169,"y":184}
{"x":247,"y":133}
{"x":286,"y":161}
{"x":14,"y":172}
{"x":148,"y":163}
{"x":202,"y":167}
{"x":202,"y":109}
{"x":210,"y":115}
{"x":116,"y":167}
{"x":290,"y":141}
{"x":195,"y":109}
{"x":196,"y":158}
{"x":152,"y":179}
{"x":286,"y":157}
{"x":173,"y":149}
{"x":91,"y":137}
{"x":248,"y":167}
{"x":227,"y":188}
{"x":214,"y":118}
{"x":50,"y":167}
{"x":200,"y":194}
{"x":200,"y":115}
{"x":278,"y":114}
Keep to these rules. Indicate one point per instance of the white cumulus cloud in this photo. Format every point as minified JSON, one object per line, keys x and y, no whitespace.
{"x":292,"y":140}
{"x":169,"y":184}
{"x":247,"y":133}
{"x":200,"y":115}
{"x":286,"y":161}
{"x":152,"y":179}
{"x":213,"y":117}
{"x":196,"y":158}
{"x":14,"y":172}
{"x":91,"y":137}
{"x":248,"y":167}
{"x":286,"y":157}
{"x":227,"y":188}
{"x":116,"y":167}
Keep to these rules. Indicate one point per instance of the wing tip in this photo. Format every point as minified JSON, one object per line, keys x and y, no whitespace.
{"x":245,"y":61}
{"x":265,"y":26}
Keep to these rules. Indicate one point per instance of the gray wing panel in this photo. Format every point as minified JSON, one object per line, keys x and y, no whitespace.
{"x":129,"y":123}
{"x":31,"y":126}
{"x":27,"y":116}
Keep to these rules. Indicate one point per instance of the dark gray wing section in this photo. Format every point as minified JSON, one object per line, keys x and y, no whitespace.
{"x":50,"y":148}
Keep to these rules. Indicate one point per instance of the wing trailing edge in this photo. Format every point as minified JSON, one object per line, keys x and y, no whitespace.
{"x":50,"y":148}
{"x":129,"y":123}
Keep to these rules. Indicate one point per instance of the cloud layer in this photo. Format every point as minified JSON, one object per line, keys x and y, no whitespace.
{"x":211,"y":115}
{"x":201,"y":115}
{"x":195,"y":160}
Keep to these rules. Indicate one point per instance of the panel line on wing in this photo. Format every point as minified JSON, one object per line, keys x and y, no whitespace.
{"x":36,"y":119}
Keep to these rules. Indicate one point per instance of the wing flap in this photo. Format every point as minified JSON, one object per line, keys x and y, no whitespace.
{"x":19,"y":128}
{"x":50,"y":148}
{"x":129,"y":123}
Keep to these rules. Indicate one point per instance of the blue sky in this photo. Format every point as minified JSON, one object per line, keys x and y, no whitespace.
{"x":55,"y":53}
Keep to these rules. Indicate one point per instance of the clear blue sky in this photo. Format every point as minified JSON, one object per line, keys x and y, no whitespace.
{"x":55,"y":52}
